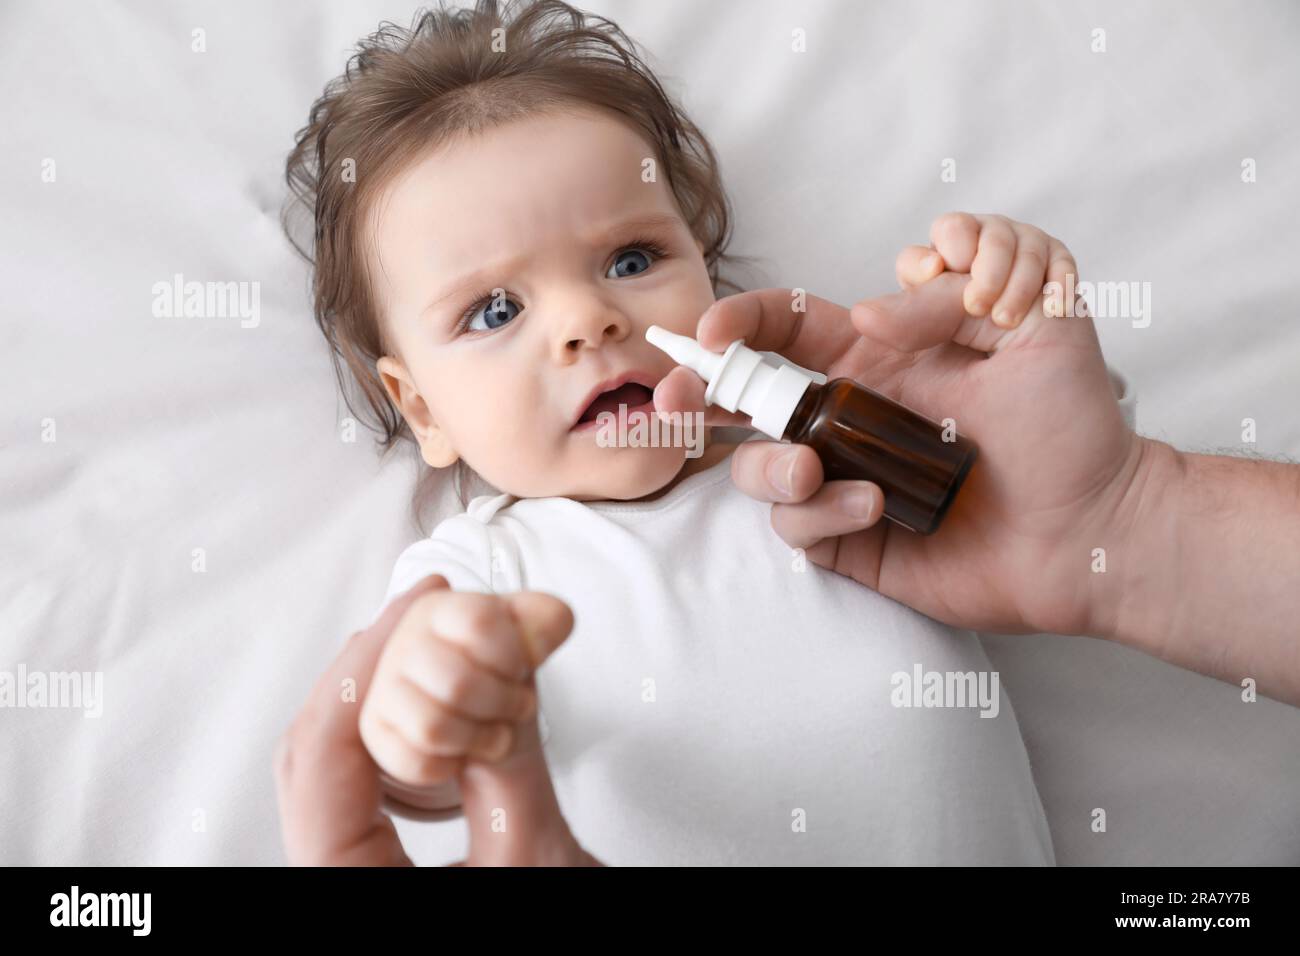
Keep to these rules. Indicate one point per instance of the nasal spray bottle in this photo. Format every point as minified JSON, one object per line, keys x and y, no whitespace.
{"x":856,"y":432}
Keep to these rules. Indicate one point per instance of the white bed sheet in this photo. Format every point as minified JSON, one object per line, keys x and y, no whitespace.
{"x":179,"y":434}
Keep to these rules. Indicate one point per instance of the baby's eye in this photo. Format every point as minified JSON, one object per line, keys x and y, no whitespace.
{"x":629,"y":263}
{"x":496,"y":312}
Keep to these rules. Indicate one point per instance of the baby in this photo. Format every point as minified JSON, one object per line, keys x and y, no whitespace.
{"x":503,"y":205}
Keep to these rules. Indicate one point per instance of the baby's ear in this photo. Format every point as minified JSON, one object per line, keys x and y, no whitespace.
{"x":435,"y":447}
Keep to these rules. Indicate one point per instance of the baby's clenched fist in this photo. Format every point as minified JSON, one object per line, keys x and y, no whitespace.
{"x":455,"y":682}
{"x":1010,"y":264}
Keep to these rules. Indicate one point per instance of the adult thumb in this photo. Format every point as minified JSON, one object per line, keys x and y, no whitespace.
{"x":511,"y":809}
{"x":923,"y":316}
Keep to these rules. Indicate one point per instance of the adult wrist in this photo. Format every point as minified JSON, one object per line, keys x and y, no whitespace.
{"x":1143,"y":564}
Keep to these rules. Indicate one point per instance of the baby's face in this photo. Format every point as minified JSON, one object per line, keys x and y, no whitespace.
{"x":553,"y":212}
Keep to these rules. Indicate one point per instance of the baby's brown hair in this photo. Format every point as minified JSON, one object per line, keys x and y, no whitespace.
{"x":457,"y":72}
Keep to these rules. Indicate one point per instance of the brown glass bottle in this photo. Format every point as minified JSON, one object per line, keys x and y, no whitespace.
{"x":860,"y":434}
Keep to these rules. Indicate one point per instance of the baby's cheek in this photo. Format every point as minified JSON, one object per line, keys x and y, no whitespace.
{"x":523,"y":445}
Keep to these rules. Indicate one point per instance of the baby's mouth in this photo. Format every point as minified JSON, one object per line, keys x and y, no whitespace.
{"x":631,"y":394}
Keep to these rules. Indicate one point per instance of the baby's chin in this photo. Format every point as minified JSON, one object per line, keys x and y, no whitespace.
{"x":626,"y":473}
{"x":588,"y":467}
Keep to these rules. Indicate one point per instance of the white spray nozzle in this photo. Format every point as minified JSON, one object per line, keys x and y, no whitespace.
{"x":739,"y":379}
{"x":684,"y":350}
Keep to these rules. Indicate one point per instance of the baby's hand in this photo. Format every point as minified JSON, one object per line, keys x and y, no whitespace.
{"x":454,"y":698}
{"x":1009,"y":265}
{"x":455,"y":681}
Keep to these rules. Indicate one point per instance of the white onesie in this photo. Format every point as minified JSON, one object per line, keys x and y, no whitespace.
{"x":722,"y":701}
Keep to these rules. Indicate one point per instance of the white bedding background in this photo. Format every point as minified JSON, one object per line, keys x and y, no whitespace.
{"x":172,"y":435}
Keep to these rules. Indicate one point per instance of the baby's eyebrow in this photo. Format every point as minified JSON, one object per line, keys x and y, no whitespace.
{"x":599,"y":236}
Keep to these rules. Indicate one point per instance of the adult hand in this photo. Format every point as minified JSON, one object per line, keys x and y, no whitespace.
{"x":1057,"y":468}
{"x":328,"y":785}
{"x":330,"y":788}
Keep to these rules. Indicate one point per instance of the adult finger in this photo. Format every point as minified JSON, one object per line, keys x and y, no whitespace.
{"x":327,"y":784}
{"x":928,"y":315}
{"x":808,"y":330}
{"x":681,"y":392}
{"x":776,"y":471}
{"x":837,"y":508}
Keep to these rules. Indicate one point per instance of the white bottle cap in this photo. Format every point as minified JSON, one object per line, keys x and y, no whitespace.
{"x":739,"y":379}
